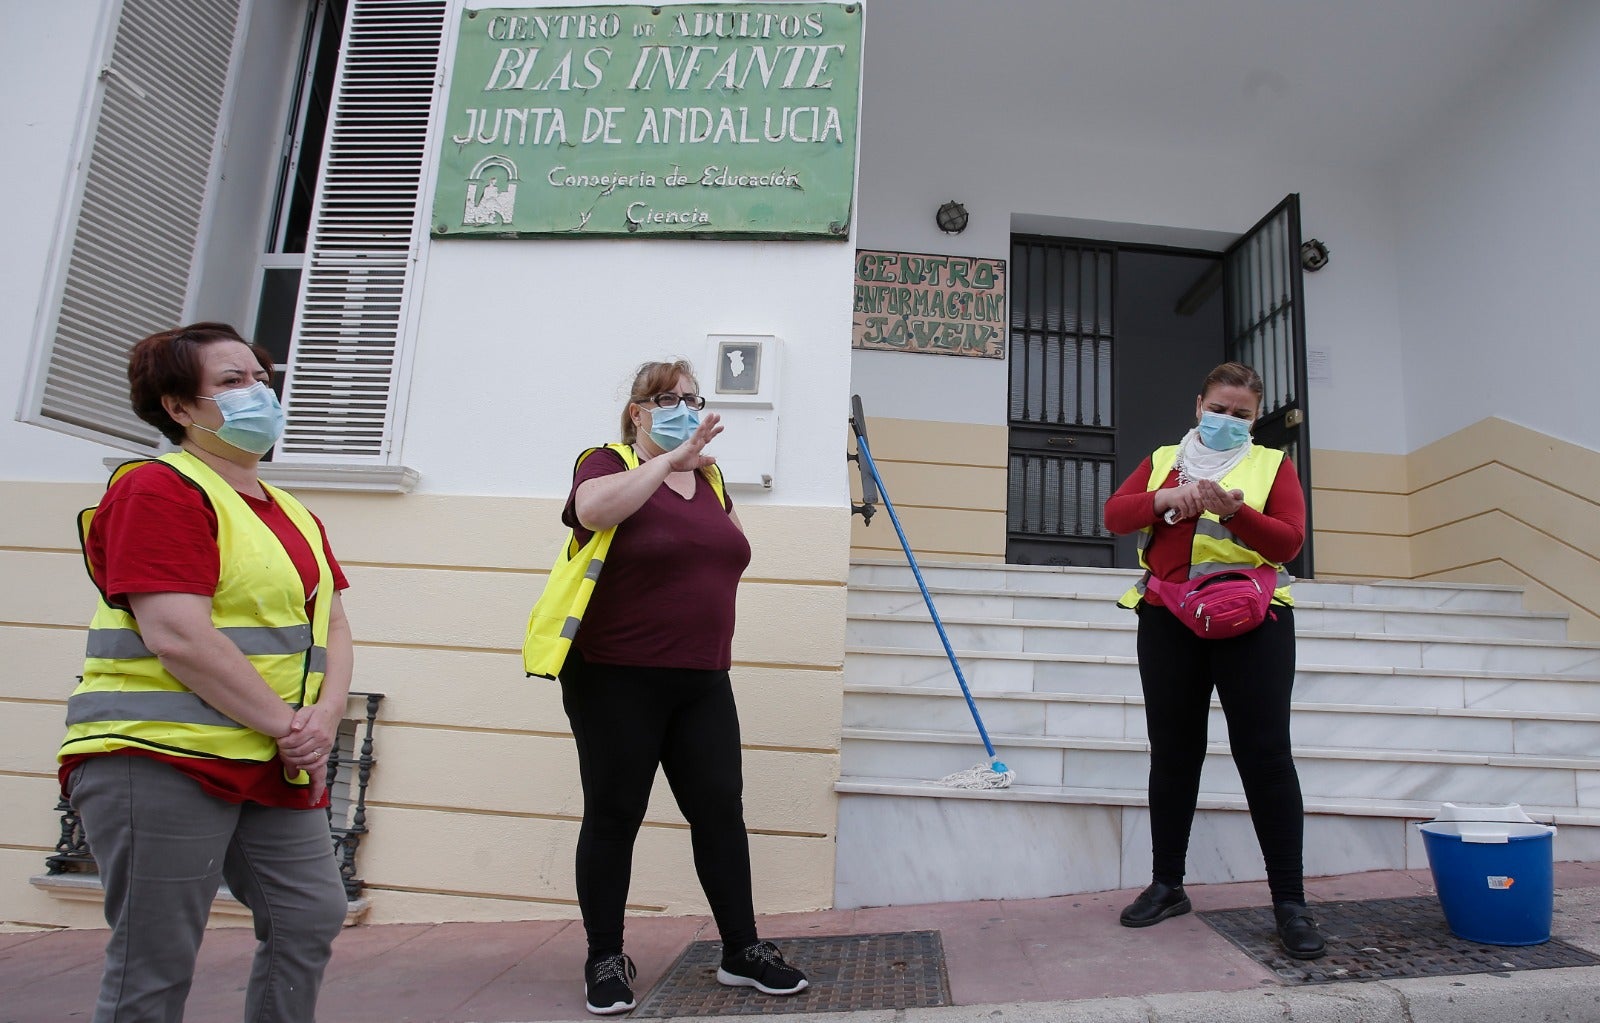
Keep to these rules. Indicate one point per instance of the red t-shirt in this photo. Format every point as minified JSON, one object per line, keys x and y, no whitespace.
{"x":1276,"y":532}
{"x":665,"y":598}
{"x":155,"y":532}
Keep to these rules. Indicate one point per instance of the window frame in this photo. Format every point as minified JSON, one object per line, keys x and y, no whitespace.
{"x":376,"y":470}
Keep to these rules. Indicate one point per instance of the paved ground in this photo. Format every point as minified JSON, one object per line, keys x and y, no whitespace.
{"x":1062,"y":959}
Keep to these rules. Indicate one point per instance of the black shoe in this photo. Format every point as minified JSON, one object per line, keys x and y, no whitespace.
{"x":761,"y":967}
{"x":1298,"y":931}
{"x":1155,"y":904}
{"x":608,"y":984}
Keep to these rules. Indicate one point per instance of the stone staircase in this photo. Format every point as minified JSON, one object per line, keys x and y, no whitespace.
{"x":1407,"y":695}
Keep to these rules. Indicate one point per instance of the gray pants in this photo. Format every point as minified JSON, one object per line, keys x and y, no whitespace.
{"x":163,"y":845}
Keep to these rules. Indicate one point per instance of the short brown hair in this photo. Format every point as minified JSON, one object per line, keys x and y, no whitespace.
{"x":652,"y":379}
{"x":167,"y":364}
{"x":1233,"y":374}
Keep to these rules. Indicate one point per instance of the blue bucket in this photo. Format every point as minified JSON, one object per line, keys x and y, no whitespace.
{"x":1496,"y":881}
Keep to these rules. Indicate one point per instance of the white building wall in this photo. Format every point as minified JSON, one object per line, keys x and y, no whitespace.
{"x":1351,"y":305}
{"x":1152,"y":193}
{"x":526,"y":351}
{"x":1498,"y":259}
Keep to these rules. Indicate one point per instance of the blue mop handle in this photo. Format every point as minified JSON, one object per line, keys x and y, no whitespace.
{"x":861,"y":445}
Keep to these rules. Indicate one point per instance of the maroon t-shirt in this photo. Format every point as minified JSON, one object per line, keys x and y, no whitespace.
{"x":665,"y":598}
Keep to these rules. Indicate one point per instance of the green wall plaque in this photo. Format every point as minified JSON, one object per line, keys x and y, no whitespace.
{"x":702,"y":120}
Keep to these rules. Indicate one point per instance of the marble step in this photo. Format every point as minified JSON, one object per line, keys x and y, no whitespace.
{"x":906,"y":843}
{"x":1109,"y":676}
{"x":1310,"y":615}
{"x":1570,"y":783}
{"x":1113,"y":582}
{"x":1352,"y":648}
{"x":1069,"y":716}
{"x":1314,"y":683}
{"x":1139,"y":796}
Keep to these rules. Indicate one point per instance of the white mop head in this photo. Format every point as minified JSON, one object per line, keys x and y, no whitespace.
{"x":979,"y":776}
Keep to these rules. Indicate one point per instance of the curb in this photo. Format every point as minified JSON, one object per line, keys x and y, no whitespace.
{"x":1570,"y":995}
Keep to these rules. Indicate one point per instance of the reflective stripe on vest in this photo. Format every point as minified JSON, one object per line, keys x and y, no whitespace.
{"x":1216,"y":548}
{"x":569,"y":628}
{"x":184,"y":707}
{"x":127,"y":698}
{"x":250,"y":639}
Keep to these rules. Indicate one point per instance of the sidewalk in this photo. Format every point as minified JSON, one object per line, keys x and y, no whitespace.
{"x":1061,"y":959}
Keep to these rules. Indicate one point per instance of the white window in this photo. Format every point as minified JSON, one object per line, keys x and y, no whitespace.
{"x":347,"y":355}
{"x":205,"y":142}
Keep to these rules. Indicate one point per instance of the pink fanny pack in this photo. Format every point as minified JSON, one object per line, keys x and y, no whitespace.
{"x":1221,"y":605}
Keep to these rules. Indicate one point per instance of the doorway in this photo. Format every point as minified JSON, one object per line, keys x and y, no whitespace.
{"x":1108,"y":344}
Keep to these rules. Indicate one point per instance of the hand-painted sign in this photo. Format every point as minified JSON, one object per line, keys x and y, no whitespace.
{"x":707,"y":120}
{"x":940,"y":305}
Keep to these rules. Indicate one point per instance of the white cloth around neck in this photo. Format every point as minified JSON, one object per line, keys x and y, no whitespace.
{"x":1198,"y":462}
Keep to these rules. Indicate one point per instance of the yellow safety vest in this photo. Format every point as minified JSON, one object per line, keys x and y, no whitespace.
{"x":556,"y":615}
{"x":1216,"y":548}
{"x":128,"y":699}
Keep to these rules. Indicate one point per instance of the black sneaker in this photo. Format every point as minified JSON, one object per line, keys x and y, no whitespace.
{"x":761,"y":966}
{"x":607,"y":984}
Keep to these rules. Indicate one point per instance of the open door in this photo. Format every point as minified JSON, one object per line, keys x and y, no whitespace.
{"x":1264,"y":318}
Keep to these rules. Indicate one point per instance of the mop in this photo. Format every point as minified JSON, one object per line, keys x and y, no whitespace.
{"x":995,"y":774}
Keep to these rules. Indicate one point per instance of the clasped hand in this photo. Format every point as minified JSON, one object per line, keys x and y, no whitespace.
{"x":309,"y":741}
{"x":1192,"y":499}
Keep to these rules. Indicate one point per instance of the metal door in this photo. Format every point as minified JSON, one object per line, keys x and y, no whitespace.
{"x":1062,"y":403}
{"x":1264,"y":317}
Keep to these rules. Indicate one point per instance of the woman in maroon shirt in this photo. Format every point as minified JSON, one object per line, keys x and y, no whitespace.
{"x":646,"y":684}
{"x":1252,"y":673}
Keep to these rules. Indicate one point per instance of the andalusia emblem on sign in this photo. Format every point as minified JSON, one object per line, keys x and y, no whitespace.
{"x":699,"y":120}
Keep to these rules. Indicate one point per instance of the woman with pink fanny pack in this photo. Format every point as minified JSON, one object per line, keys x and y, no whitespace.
{"x":1218,"y":516}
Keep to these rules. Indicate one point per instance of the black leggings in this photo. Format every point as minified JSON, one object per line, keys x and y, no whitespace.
{"x":1253,"y":675}
{"x":626,"y":722}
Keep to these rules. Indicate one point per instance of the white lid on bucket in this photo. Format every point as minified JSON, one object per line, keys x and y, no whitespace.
{"x":1486,"y":832}
{"x":1506,"y":813}
{"x":1485,"y":822}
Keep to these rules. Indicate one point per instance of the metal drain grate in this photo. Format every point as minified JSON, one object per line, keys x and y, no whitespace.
{"x":892,"y":970}
{"x":1384,"y":938}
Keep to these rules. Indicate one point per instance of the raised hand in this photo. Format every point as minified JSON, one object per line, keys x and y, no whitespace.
{"x":687,"y":457}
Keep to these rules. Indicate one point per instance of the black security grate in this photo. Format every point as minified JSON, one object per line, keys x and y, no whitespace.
{"x":891,"y":970}
{"x":1383,"y":939}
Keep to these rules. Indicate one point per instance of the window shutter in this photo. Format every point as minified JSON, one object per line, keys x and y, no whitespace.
{"x":343,"y":383}
{"x":136,"y":232}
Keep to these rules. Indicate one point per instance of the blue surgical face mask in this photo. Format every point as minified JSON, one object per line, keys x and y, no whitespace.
{"x":670,"y":427}
{"x":1222,"y":432}
{"x":252,"y":419}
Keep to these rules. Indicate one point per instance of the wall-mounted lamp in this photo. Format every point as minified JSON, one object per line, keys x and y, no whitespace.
{"x":951,"y":218}
{"x":1313,"y":255}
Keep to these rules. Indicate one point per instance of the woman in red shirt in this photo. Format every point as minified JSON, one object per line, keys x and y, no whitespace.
{"x":218,"y":665}
{"x":646,"y":684}
{"x":1199,"y":520}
